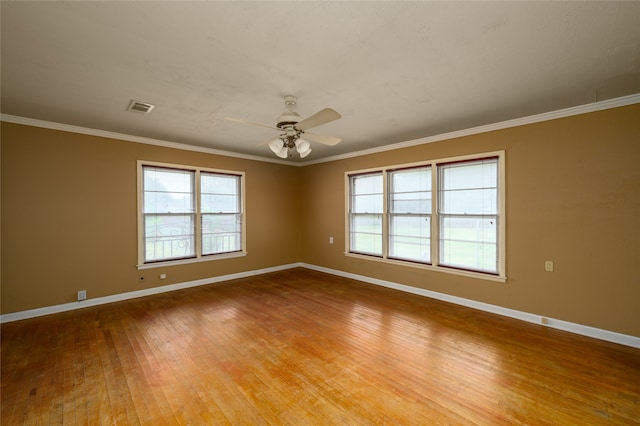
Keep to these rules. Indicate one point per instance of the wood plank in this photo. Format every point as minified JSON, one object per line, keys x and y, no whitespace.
{"x":302,"y":347}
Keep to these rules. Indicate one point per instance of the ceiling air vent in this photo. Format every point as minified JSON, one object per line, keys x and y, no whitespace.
{"x":141,"y":107}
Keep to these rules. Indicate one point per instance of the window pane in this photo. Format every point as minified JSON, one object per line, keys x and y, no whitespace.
{"x":473,"y":174}
{"x":221,"y":233}
{"x":219,"y":193}
{"x":470,"y":201}
{"x":418,"y":202}
{"x":219,"y":203}
{"x":410,"y":190}
{"x":411,"y":180}
{"x":168,"y":202}
{"x":367,"y":203}
{"x":366,"y":234}
{"x":367,"y":184}
{"x":469,"y":243}
{"x":168,"y":190}
{"x":409,"y":238}
{"x":168,"y":237}
{"x":366,"y":193}
{"x":212,"y":183}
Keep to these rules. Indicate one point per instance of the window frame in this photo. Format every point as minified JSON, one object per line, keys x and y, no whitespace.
{"x":365,"y":214}
{"x":435,"y":217}
{"x":197,"y":215}
{"x":392,"y":213}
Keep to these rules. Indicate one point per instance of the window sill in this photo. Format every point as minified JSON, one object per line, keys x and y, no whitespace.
{"x":470,"y":274}
{"x":208,"y":258}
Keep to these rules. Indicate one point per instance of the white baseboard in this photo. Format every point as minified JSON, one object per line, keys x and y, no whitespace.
{"x":584,"y":330}
{"x":32,"y":313}
{"x":597,"y":333}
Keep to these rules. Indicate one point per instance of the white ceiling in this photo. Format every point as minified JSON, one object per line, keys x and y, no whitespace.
{"x":396,"y":71}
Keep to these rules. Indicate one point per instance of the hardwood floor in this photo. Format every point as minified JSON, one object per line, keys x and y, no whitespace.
{"x":301,"y":347}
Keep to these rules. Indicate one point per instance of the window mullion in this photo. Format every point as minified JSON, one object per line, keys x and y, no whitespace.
{"x":198,"y":215}
{"x":385,"y":216}
{"x":435,"y":218}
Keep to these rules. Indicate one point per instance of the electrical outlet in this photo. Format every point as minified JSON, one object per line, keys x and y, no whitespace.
{"x":163,"y":276}
{"x":548,"y":266}
{"x":82,"y":295}
{"x":330,"y":240}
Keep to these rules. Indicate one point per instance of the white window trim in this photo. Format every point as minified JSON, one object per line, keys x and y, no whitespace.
{"x":435,"y":237}
{"x":199,"y":257}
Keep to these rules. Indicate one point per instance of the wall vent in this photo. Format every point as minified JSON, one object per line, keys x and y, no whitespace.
{"x":140,"y":107}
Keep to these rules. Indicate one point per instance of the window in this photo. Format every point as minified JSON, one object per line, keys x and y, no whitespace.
{"x":444,"y":214}
{"x":410,"y":214}
{"x":366,"y":214}
{"x":468,"y":211}
{"x":189,"y":213}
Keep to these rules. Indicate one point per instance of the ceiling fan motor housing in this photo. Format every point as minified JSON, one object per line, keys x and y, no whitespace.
{"x":287,"y":119}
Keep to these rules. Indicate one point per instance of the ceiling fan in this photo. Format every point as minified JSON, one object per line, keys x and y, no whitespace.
{"x":293,"y":128}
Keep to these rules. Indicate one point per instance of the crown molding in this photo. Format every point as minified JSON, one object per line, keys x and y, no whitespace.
{"x":546,"y":116}
{"x":131,"y":138}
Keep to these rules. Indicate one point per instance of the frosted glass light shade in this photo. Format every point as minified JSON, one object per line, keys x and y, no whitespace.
{"x":303,"y":148}
{"x":284,"y":152}
{"x":304,"y":154}
{"x":276,"y":145}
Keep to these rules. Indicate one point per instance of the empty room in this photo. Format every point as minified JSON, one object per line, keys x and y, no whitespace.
{"x":412,"y":213}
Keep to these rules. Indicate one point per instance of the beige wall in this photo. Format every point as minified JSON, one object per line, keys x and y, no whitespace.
{"x":573,"y":196}
{"x":69,"y":217}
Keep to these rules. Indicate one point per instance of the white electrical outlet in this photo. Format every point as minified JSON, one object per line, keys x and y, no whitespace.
{"x":330,"y":240}
{"x":82,"y":295}
{"x":163,"y":276}
{"x":548,"y":266}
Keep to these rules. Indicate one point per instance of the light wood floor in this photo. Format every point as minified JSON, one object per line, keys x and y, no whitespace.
{"x":301,"y":347}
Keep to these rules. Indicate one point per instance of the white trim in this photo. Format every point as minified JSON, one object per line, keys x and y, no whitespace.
{"x":130,"y":138}
{"x":427,"y":267}
{"x":596,"y":333}
{"x":32,"y":313}
{"x":546,"y":116}
{"x":205,"y":258}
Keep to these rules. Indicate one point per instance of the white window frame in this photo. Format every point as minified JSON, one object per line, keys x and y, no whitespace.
{"x":198,"y":256}
{"x":434,"y":265}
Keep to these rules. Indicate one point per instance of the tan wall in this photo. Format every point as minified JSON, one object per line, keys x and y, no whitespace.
{"x":573,"y":197}
{"x":69,"y":217}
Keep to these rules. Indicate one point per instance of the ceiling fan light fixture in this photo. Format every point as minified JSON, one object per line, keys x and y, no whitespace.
{"x":291,"y":127}
{"x":276,"y":145}
{"x":305,"y":153}
{"x":284,"y":152}
{"x":302,"y":145}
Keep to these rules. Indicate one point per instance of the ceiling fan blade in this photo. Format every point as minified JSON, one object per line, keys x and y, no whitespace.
{"x":323,"y":139}
{"x":266,"y":142}
{"x":321,"y":117}
{"x":238,"y":120}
